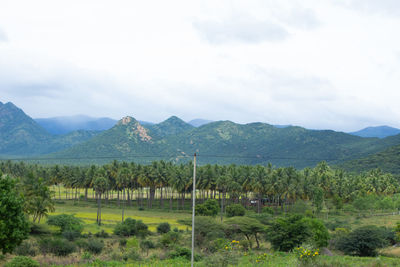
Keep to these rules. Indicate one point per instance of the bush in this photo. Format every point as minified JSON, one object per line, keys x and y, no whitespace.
{"x":66,"y":222}
{"x":131,"y":254}
{"x":71,"y":235}
{"x":22,"y":261}
{"x":204,"y":225}
{"x":58,"y":247}
{"x":235,"y":210}
{"x":287,"y":233}
{"x":363,"y":241}
{"x":319,"y":233}
{"x":122,"y":242}
{"x":131,"y":227}
{"x":39,"y":229}
{"x":163,"y":228}
{"x":222,"y":259}
{"x":268,"y":210}
{"x":132,"y":243}
{"x":170,"y":238}
{"x":94,"y":246}
{"x":181,"y":252}
{"x":27,"y":248}
{"x":102,"y":234}
{"x":208,"y":208}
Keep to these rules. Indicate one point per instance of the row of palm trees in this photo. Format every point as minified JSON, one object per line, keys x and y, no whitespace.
{"x":170,"y":183}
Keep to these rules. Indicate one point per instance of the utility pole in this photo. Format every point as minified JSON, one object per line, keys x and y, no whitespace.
{"x":193,"y":205}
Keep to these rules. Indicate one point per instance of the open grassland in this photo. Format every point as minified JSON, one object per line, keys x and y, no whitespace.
{"x":111,"y":215}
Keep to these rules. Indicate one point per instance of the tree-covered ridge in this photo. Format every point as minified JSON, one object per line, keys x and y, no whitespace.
{"x":387,"y":160}
{"x":20,"y":135}
{"x":225,"y":142}
{"x":221,"y":142}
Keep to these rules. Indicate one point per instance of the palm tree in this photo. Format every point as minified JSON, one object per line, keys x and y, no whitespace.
{"x":122,"y":181}
{"x":100,"y":186}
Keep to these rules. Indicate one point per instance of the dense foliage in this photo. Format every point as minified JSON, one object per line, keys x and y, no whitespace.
{"x":14,"y":226}
{"x":363,"y":241}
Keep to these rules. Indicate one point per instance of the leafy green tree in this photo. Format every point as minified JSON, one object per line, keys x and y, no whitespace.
{"x":208,"y":208}
{"x":146,"y":245}
{"x":319,"y":232}
{"x":246,"y":226}
{"x":131,"y":227}
{"x":363,"y":241}
{"x":235,"y":210}
{"x":14,"y":226}
{"x":38,"y":197}
{"x":163,"y":228}
{"x":66,"y":222}
{"x":287,"y":233}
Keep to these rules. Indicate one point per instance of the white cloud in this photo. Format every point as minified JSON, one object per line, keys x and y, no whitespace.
{"x":310,"y":63}
{"x":246,"y":30}
{"x":3,"y":36}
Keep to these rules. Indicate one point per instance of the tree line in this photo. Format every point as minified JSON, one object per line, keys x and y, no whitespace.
{"x":171,"y":184}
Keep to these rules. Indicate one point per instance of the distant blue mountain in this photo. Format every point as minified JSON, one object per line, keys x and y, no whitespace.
{"x":378,"y":131}
{"x":64,"y":125}
{"x":199,"y":122}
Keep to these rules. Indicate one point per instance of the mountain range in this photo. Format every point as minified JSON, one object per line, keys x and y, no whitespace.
{"x":221,"y":142}
{"x":378,"y":131}
{"x":20,"y":135}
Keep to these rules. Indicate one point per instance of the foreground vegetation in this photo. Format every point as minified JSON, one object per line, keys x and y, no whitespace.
{"x":125,"y":214}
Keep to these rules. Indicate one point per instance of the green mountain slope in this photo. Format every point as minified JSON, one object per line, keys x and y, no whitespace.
{"x":387,"y":160}
{"x":225,"y":142}
{"x":20,"y":135}
{"x":171,"y":126}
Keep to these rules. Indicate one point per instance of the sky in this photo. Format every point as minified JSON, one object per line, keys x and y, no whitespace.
{"x":331,"y":64}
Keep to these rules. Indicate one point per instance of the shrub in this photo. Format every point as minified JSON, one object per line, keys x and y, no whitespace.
{"x":217,"y":244}
{"x":287,"y":233}
{"x":268,"y":210}
{"x":39,"y":229}
{"x":94,"y":246}
{"x":131,"y":227}
{"x":235,"y":210}
{"x":319,"y":233}
{"x":122,"y":242}
{"x":222,"y":259}
{"x":132,"y":243}
{"x":71,"y":235}
{"x":363,"y":241}
{"x":131,"y":254}
{"x":27,"y":248}
{"x":204,"y":225}
{"x":22,"y":261}
{"x":181,"y":252}
{"x":58,"y":247}
{"x":208,"y":208}
{"x":163,"y":228}
{"x":170,"y":238}
{"x":66,"y":222}
{"x":102,"y":234}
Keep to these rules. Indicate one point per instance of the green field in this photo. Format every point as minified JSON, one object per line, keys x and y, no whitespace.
{"x":111,"y":215}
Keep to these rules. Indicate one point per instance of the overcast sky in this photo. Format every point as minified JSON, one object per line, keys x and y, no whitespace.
{"x":332,"y":64}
